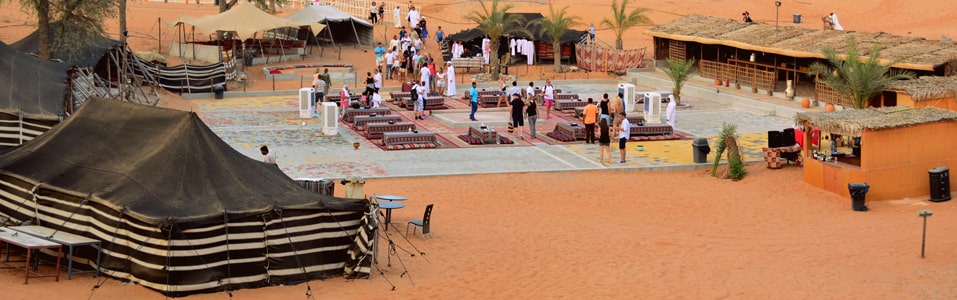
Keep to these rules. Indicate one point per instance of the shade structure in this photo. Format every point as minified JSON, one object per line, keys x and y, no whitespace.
{"x":177,"y":209}
{"x":340,"y":26}
{"x":244,"y":19}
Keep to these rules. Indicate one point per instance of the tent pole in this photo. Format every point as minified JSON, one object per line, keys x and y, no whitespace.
{"x":358,"y":41}
{"x":159,"y":26}
{"x":20,"y":125}
{"x":329,"y":30}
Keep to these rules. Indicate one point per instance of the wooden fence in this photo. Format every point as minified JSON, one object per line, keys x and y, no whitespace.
{"x":744,"y":75}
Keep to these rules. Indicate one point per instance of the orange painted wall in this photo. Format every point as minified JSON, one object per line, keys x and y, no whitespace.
{"x":894,"y":162}
{"x":949,"y":103}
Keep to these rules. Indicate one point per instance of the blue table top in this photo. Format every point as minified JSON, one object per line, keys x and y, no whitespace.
{"x":391,"y":197}
{"x":390,"y":205}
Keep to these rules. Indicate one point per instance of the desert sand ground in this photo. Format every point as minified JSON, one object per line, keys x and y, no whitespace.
{"x":618,"y":234}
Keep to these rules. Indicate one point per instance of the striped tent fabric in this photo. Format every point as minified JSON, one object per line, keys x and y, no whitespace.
{"x":32,"y":96}
{"x":15,"y":129}
{"x":598,"y":59}
{"x":176,"y":209}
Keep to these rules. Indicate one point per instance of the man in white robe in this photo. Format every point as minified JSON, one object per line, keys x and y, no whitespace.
{"x":485,"y":49}
{"x":450,"y":76}
{"x":670,"y":112}
{"x":424,"y":76}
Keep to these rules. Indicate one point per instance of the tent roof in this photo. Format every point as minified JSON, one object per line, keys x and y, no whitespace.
{"x":926,"y":87}
{"x":32,"y":85}
{"x":161,"y":165}
{"x":532,"y":29}
{"x":913,"y":53}
{"x":244,"y":19}
{"x":853,"y":122}
{"x":87,"y":57}
{"x":323,"y":13}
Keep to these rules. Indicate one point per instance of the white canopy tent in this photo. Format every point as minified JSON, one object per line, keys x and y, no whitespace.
{"x":244,"y":19}
{"x":335,"y":22}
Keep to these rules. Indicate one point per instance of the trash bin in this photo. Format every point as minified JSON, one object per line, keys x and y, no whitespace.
{"x":797,"y":18}
{"x":858,"y":190}
{"x":219,"y":89}
{"x":701,"y":150}
{"x":939,"y":184}
{"x":355,"y":187}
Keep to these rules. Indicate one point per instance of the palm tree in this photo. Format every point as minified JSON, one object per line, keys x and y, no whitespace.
{"x":623,"y":21}
{"x":495,"y":22}
{"x":554,"y":26}
{"x":679,"y":71}
{"x":857,"y":79}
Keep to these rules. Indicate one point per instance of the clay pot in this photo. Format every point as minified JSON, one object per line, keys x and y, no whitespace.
{"x":717,"y":82}
{"x":828,"y":107}
{"x":355,"y":145}
{"x":805,"y":103}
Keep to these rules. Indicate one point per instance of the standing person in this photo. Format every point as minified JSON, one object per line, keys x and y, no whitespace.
{"x":603,"y":108}
{"x":394,"y":44}
{"x":835,"y":24}
{"x":320,"y":88}
{"x":402,"y":63}
{"x":670,"y":112}
{"x":381,"y":12}
{"x":377,"y":78}
{"x":439,"y":36}
{"x":424,"y":76}
{"x":373,"y":13}
{"x":376,"y":99}
{"x":344,"y":100}
{"x":591,"y":33}
{"x":604,"y":141}
{"x":413,"y":17}
{"x":379,"y":55}
{"x":473,"y":97}
{"x":389,"y":63}
{"x":440,"y":81}
{"x":420,"y":101}
{"x":268,"y":158}
{"x":589,"y":116}
{"x":624,"y":132}
{"x":531,"y":112}
{"x":328,"y":79}
{"x":370,"y":84}
{"x":746,"y":17}
{"x":518,"y":112}
{"x":515,"y":90}
{"x":616,"y":109}
{"x":397,"y":16}
{"x":549,"y":92}
{"x":530,"y":90}
{"x":402,"y":35}
{"x":450,"y":76}
{"x":501,"y":93}
{"x":430,"y":63}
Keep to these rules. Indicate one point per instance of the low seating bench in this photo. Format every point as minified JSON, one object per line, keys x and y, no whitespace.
{"x":651,"y":129}
{"x":360,"y":122}
{"x":468,"y":63}
{"x":569,"y":104}
{"x":578,"y":132}
{"x":376,"y":130}
{"x":352,"y":112}
{"x":335,"y":98}
{"x":486,"y":135}
{"x":430,"y":101}
{"x":636,"y":120}
{"x":399,"y":138}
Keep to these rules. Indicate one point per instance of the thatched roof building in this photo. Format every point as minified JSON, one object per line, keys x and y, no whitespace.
{"x":927,"y":87}
{"x":911,"y":52}
{"x":853,"y":122}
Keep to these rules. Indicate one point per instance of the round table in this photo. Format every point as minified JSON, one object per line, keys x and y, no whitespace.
{"x":388,"y":207}
{"x":391,"y":197}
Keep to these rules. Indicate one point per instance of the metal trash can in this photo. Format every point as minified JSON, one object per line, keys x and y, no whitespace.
{"x":797,"y":18}
{"x":939,"y":184}
{"x":858,"y":192}
{"x":219,"y":89}
{"x":701,"y":150}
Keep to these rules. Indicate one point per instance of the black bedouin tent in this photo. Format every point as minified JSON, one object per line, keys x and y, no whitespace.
{"x":87,"y":56}
{"x":472,"y":38}
{"x":32,"y":95}
{"x":176,"y":208}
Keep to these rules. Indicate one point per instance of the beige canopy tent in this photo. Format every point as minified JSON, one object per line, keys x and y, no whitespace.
{"x":244,"y":19}
{"x":336,"y":22}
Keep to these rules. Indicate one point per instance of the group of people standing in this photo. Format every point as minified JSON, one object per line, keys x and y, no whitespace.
{"x":611,"y":119}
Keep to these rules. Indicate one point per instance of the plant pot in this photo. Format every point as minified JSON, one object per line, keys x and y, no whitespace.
{"x":828,"y":107}
{"x":717,"y":82}
{"x":805,"y":103}
{"x":355,"y":145}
